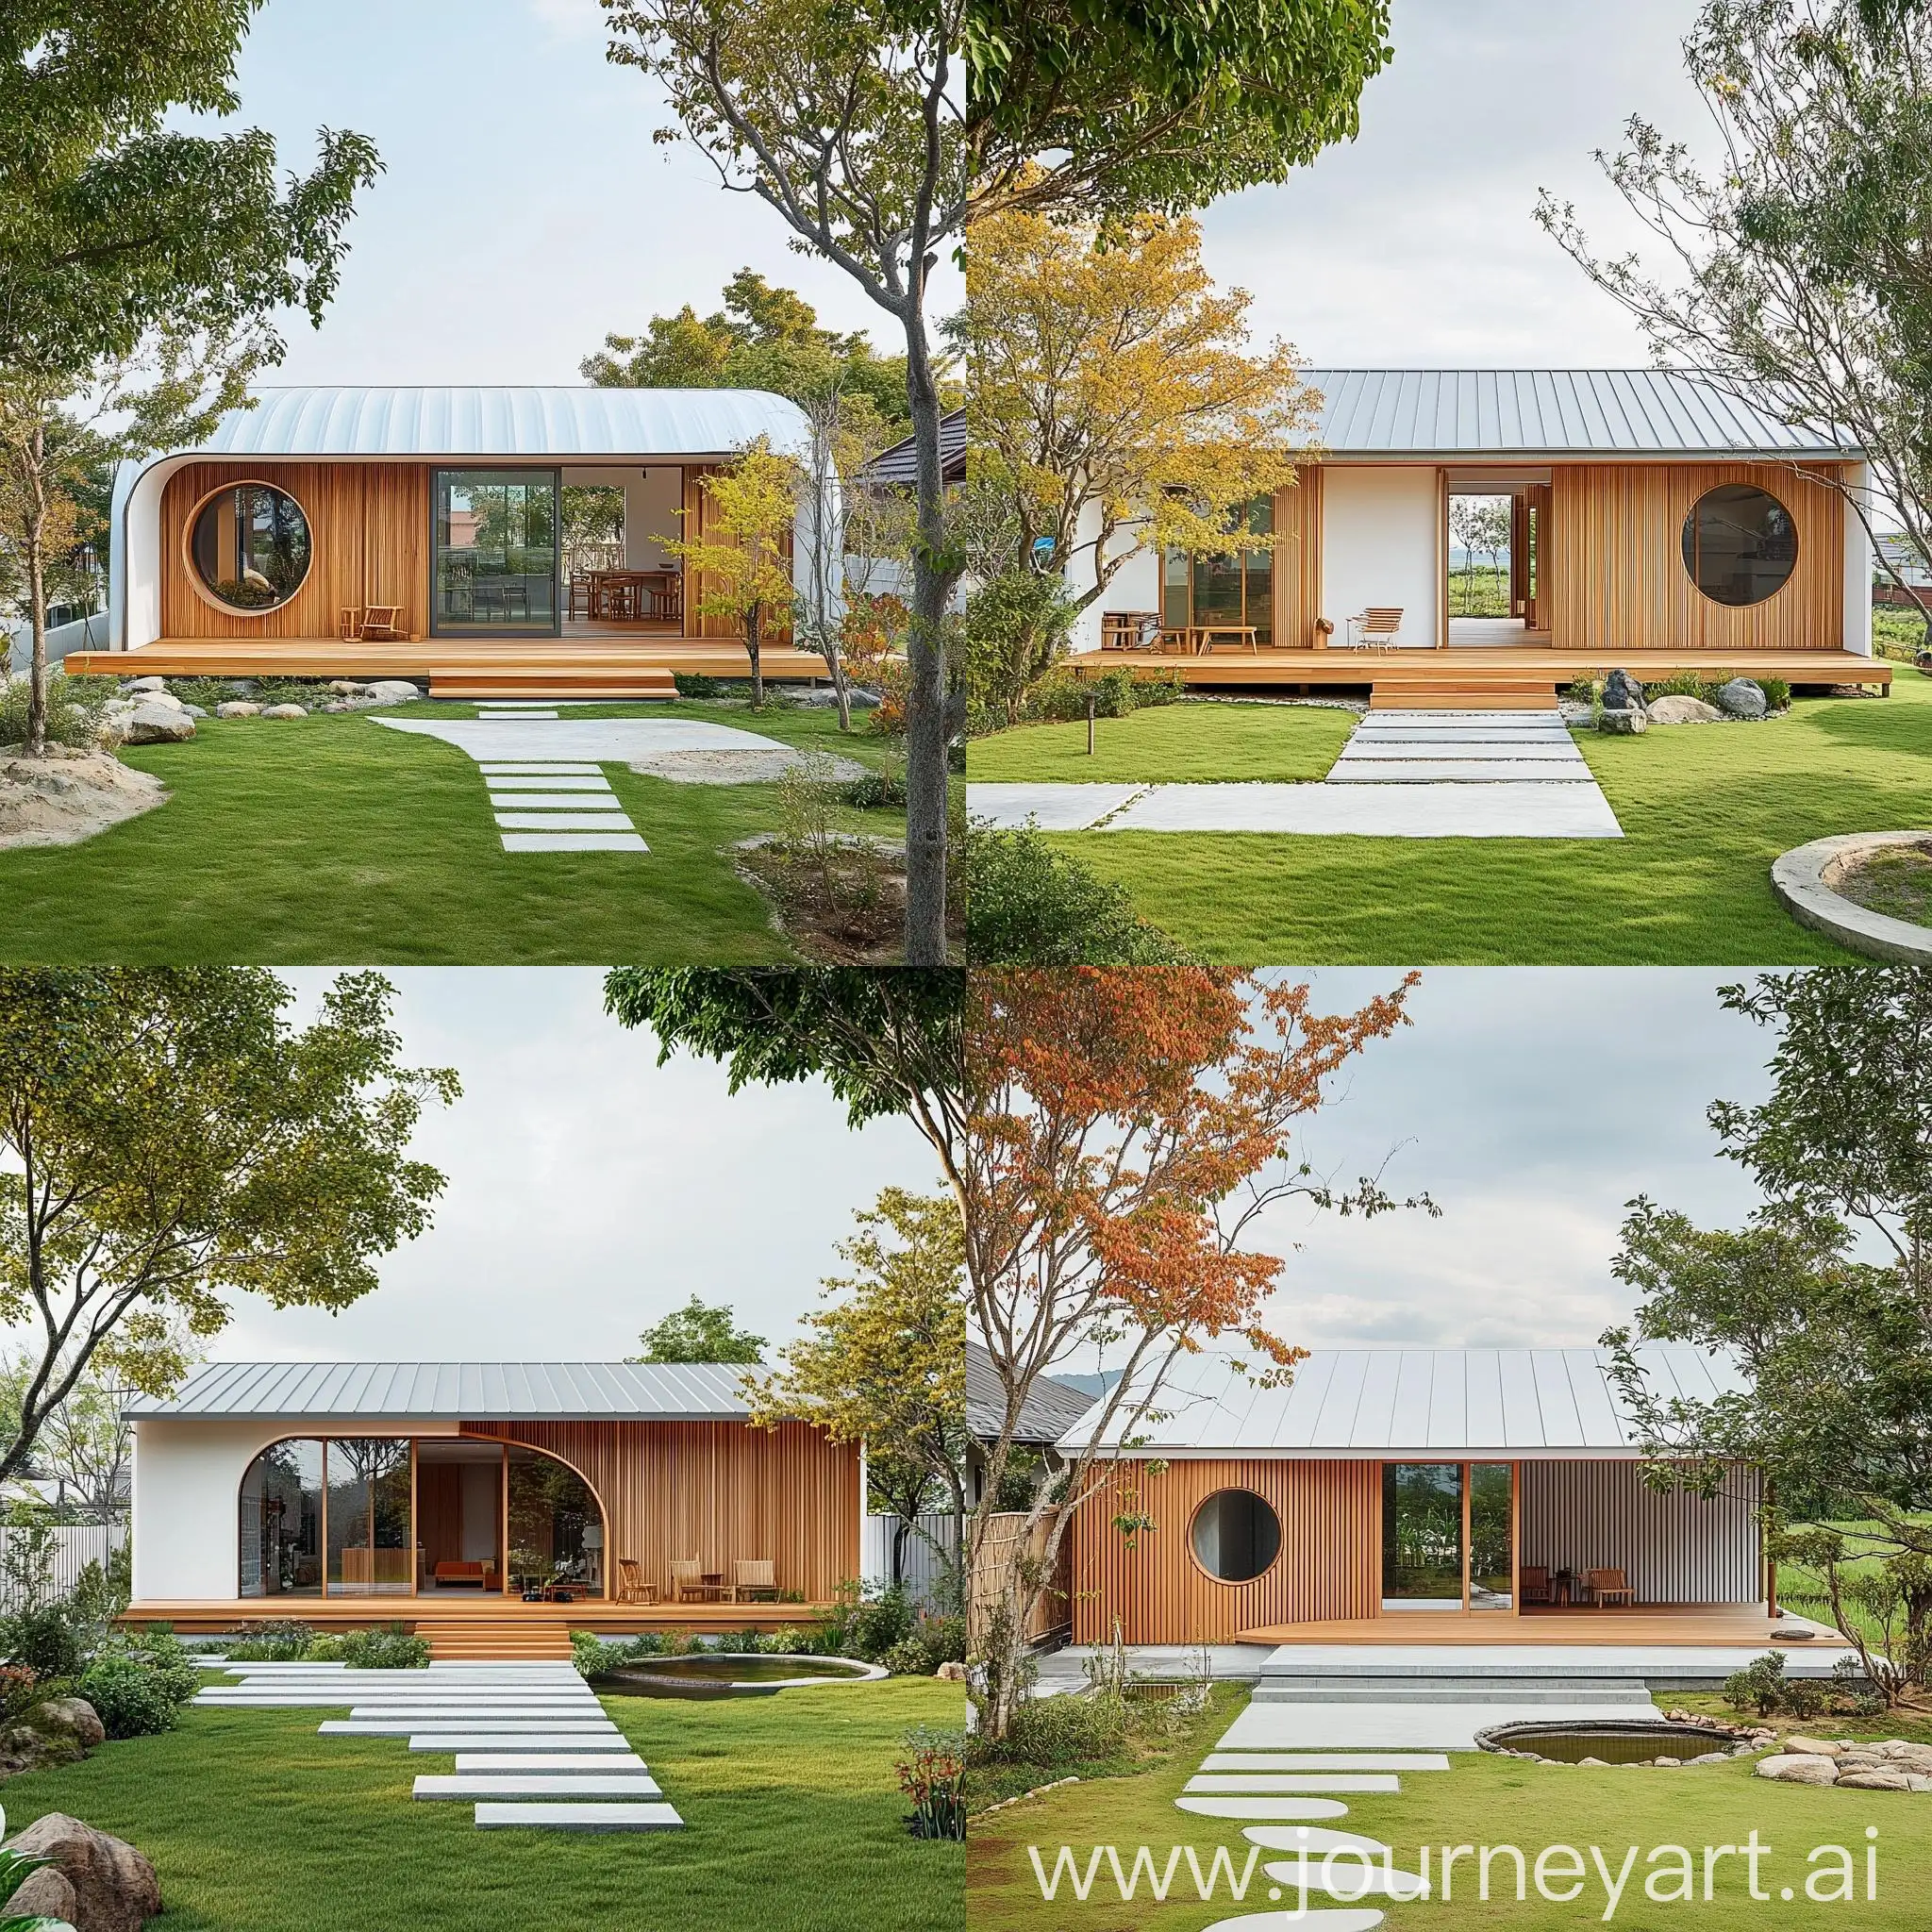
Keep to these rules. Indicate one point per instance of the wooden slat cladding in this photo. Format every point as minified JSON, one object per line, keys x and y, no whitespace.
{"x":718,"y":1491}
{"x":369,"y":538}
{"x":1298,"y":561}
{"x":697,"y":527}
{"x":1328,"y":1567}
{"x":1615,"y":580}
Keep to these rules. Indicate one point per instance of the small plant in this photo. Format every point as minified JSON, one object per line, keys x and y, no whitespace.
{"x":1029,"y":904}
{"x":391,"y":1648}
{"x":879,"y":791}
{"x":932,"y":1773}
{"x":1777,"y":694}
{"x":275,"y":1641}
{"x":139,"y":1688}
{"x":694,"y":684}
{"x":73,"y":708}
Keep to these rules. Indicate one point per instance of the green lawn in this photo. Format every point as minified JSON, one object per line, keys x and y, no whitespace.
{"x":792,"y":1824}
{"x":1705,"y":810}
{"x":1169,"y":743}
{"x":1483,"y":1800}
{"x":328,"y":839}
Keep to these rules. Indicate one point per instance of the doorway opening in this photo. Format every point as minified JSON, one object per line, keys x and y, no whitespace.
{"x":1448,"y":1535}
{"x":1493,"y":559}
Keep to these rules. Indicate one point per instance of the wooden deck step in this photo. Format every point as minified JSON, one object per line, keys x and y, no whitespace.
{"x":1461,"y":694}
{"x":618,"y":688}
{"x":473,"y":1640}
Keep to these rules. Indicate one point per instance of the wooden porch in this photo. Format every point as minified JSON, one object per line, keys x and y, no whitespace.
{"x":1519,"y":676}
{"x":1690,"y":1625}
{"x":586,"y":662}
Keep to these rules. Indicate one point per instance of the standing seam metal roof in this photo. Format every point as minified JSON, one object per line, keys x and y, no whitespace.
{"x":456,"y":1390}
{"x":1360,"y":1401}
{"x":1484,"y":412}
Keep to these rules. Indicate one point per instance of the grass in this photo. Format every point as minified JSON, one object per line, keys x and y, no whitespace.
{"x":1897,"y":883}
{"x":1705,"y":810}
{"x":327,"y":840}
{"x":1482,"y":1800}
{"x":792,"y":1810}
{"x":1192,"y":743}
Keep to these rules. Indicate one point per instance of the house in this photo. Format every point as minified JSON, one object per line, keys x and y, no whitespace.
{"x":1051,"y":1409}
{"x":422,"y":533}
{"x":1415,"y":1495}
{"x":1655,"y":523}
{"x":483,"y":1497}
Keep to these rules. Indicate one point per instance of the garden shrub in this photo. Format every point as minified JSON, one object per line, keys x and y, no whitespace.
{"x":694,"y":684}
{"x":1052,"y":1732}
{"x":391,"y":1648}
{"x":1762,"y":1687}
{"x":1016,"y":624}
{"x":1029,"y":904}
{"x":594,"y":1657}
{"x":932,"y":1642}
{"x":1777,"y":694}
{"x":881,"y":790}
{"x":1060,"y":696}
{"x":137,"y":1690}
{"x":276,"y":1640}
{"x":73,"y":708}
{"x":46,"y":1638}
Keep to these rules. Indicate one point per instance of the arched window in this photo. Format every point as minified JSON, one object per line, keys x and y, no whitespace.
{"x":251,"y":547}
{"x":1741,"y":544}
{"x":1236,"y":1536}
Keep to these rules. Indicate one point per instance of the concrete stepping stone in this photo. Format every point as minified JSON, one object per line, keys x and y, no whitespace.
{"x":1232,"y":1784}
{"x":1348,"y":1878}
{"x":573,"y":841}
{"x":1373,"y":750}
{"x":541,"y":782}
{"x":1259,"y":1809}
{"x":563,"y":820}
{"x":1315,"y":1839}
{"x":437,"y":1724}
{"x":1460,"y":772}
{"x":1324,"y":1920}
{"x":550,"y":1737}
{"x":539,"y":1784}
{"x":1054,"y":808}
{"x":548,"y":1760}
{"x":532,"y":768}
{"x":504,"y":711}
{"x":508,"y":804}
{"x":1572,"y":811}
{"x":1325,"y":1761}
{"x":581,"y":1818}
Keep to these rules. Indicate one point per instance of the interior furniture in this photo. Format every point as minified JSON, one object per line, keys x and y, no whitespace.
{"x":371,"y":624}
{"x":1608,"y":1587}
{"x":751,"y":1581}
{"x":578,"y":609}
{"x":686,"y":1580}
{"x":1243,"y":634}
{"x":1533,"y":1584}
{"x":1374,"y":627}
{"x":1130,"y":630}
{"x":463,"y":1575}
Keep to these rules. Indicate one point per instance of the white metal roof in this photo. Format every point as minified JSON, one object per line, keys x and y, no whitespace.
{"x":1487,"y":412}
{"x":1416,"y":1402}
{"x":524,"y":423}
{"x":475,"y":1391}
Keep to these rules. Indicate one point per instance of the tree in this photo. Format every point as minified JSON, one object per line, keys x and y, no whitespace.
{"x":1110,"y":378}
{"x":130,"y":248}
{"x":762,"y":338}
{"x":1795,"y":278}
{"x":741,"y":558}
{"x":169,"y":1139}
{"x":1017,"y":625}
{"x":1481,"y":522}
{"x":699,"y":1332}
{"x":591,"y":516}
{"x":886,"y":1364}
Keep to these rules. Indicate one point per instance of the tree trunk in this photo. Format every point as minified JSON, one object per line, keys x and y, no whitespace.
{"x":926,"y":654}
{"x":901,"y":1530}
{"x":750,"y":651}
{"x":37,"y":599}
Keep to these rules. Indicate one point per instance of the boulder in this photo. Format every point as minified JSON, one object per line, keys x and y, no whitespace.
{"x":1672,"y":1762}
{"x":1712,"y":1757}
{"x":1622,"y":692}
{"x":149,"y":683}
{"x":152,"y":723}
{"x":73,"y":1716}
{"x":46,"y":1894}
{"x":286,"y":712}
{"x":1627,"y":723}
{"x":344,"y":687}
{"x":1812,"y":1747}
{"x":1875,"y":1781}
{"x":1798,"y":1767}
{"x":194,"y":710}
{"x":115,"y":1888}
{"x":1678,"y":710}
{"x":952,"y":1673}
{"x":1743,"y":698}
{"x":392,"y":690}
{"x":238,"y":708}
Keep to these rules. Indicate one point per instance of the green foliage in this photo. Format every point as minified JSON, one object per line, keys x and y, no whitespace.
{"x":392,"y":1648}
{"x":1762,"y":1688}
{"x":864,"y":1622}
{"x":882,"y":788}
{"x":274,"y":1640}
{"x":1016,"y":626}
{"x":932,"y":1641}
{"x":45,"y":1638}
{"x":138,"y":1683}
{"x":289,"y":1640}
{"x":1030,"y":904}
{"x":699,"y":1332}
{"x":73,"y":708}
{"x":932,"y":1773}
{"x":694,"y":684}
{"x":594,"y":1658}
{"x":1056,"y":1732}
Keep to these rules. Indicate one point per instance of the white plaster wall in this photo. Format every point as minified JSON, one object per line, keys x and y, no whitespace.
{"x":1136,"y":586}
{"x":1379,"y":541}
{"x":1858,"y":567}
{"x":187,"y":1486}
{"x":652,"y":499}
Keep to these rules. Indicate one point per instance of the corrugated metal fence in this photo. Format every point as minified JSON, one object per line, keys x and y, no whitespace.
{"x":921,"y":1567}
{"x":77,"y":1545}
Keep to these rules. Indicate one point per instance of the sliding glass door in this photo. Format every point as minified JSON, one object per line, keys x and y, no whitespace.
{"x":1448,"y":1535}
{"x":494,"y":553}
{"x":1223,"y":592}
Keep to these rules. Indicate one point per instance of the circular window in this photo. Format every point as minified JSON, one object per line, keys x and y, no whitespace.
{"x":1236,"y":1536}
{"x":250,"y":546}
{"x":1740,"y":543}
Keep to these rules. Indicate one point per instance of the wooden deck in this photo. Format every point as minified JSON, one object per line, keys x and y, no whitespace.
{"x":451,"y":1610}
{"x":1488,"y":676}
{"x":1741,"y":1624}
{"x":584,"y":663}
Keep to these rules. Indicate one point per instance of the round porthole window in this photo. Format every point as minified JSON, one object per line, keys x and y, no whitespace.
{"x":1236,"y":1536}
{"x":250,"y":546}
{"x":1741,"y":543}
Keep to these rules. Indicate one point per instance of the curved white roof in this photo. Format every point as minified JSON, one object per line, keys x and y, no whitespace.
{"x":1417,"y":1402}
{"x":595,"y":424}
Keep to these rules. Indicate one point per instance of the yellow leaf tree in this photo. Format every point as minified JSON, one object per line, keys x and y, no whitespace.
{"x":1108,"y":372}
{"x":740,"y":555}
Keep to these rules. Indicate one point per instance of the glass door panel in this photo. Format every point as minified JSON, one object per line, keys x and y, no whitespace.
{"x":1238,"y":590}
{"x":1491,"y":1537}
{"x":281,"y":1522}
{"x":496,"y":553}
{"x":349,"y":1566}
{"x":1422,"y":1536}
{"x":392,"y":1564}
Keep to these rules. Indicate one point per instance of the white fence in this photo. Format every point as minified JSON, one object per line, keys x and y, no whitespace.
{"x":77,"y":1545}
{"x":921,"y":1566}
{"x":83,"y":634}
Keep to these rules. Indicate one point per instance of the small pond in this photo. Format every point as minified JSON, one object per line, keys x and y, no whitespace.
{"x":733,"y":1673}
{"x":1609,"y":1742}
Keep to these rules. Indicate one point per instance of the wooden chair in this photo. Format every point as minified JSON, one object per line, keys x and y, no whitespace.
{"x":1376,"y":627}
{"x":1130,"y":630}
{"x":631,"y":1587}
{"x":1608,"y":1587}
{"x":382,"y":623}
{"x":1533,"y":1584}
{"x":687,"y":1579}
{"x":579,"y":596}
{"x":751,"y":1581}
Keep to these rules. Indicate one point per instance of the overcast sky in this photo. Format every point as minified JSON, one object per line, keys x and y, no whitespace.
{"x":591,"y":1192}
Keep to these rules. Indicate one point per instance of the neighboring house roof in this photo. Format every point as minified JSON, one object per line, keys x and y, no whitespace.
{"x":469,"y":420}
{"x":1051,"y":1408}
{"x":481,"y":1391}
{"x":896,"y":468}
{"x":1489,"y":412}
{"x":1904,"y":559}
{"x":1418,"y":1403}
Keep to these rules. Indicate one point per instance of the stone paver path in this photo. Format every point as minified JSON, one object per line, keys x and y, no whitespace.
{"x":532,"y":1746}
{"x":1402,"y":774}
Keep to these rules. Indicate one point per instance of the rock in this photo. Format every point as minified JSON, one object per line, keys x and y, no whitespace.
{"x":194,"y":710}
{"x":1623,"y":724}
{"x":952,"y":1673}
{"x":286,"y":712}
{"x":73,"y":1716}
{"x":1743,"y":698}
{"x":1875,"y":1781}
{"x":150,"y":683}
{"x":1678,"y":710}
{"x":152,"y":723}
{"x":1596,"y":1764}
{"x":344,"y":687}
{"x":1713,"y":1758}
{"x":46,"y":1894}
{"x":1812,"y":1747}
{"x":392,"y":690}
{"x":1918,"y":1781}
{"x":1798,"y":1767}
{"x":115,"y":1888}
{"x":1672,"y":1762}
{"x":238,"y":708}
{"x":1622,"y":692}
